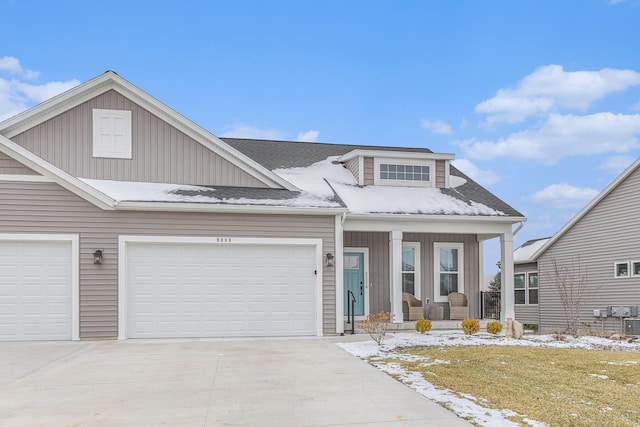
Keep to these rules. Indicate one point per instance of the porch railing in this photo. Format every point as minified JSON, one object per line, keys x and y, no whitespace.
{"x":490,"y":305}
{"x":351,"y":312}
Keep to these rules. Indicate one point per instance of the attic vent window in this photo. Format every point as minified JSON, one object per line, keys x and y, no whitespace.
{"x":396,"y":172}
{"x":112,"y":134}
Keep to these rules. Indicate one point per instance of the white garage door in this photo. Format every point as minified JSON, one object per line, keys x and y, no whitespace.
{"x":206,"y":290}
{"x":35,"y":291}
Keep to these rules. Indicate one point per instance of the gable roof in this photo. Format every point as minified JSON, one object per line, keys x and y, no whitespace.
{"x":112,"y":81}
{"x":468,"y":198}
{"x":525,"y":252}
{"x":584,"y":211}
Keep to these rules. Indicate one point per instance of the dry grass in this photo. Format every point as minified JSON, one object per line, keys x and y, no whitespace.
{"x":556,"y":386}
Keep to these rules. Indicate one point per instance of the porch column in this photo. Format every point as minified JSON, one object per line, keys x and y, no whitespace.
{"x":507,"y":297}
{"x":395,"y":272}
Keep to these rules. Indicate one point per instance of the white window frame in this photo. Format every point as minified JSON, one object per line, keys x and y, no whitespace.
{"x":631,"y":271}
{"x":436,"y":268}
{"x":125,"y":150}
{"x":615,"y":269}
{"x":526,"y":288}
{"x":416,"y":272}
{"x":377,"y":161}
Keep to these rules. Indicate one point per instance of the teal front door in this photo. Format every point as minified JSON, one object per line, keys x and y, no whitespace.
{"x":354,"y":282}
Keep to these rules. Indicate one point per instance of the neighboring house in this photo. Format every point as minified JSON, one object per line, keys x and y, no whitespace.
{"x":596,"y":251}
{"x":120,"y":218}
{"x":526,"y":281}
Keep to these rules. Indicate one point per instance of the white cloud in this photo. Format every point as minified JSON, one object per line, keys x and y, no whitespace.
{"x":308,"y":136}
{"x":550,"y":87}
{"x":16,"y":95}
{"x":12,"y":66}
{"x":564,"y":196}
{"x":241,"y":130}
{"x":563,"y":136}
{"x":436,"y":126}
{"x":483,"y":177}
{"x":616,"y":164}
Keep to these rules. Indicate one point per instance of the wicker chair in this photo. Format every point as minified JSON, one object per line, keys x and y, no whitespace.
{"x":412,"y":307}
{"x":458,"y":306}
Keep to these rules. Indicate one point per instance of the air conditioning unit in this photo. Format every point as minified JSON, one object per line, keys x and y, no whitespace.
{"x":632,"y":326}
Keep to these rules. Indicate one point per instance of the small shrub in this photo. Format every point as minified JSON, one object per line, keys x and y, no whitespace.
{"x":376,"y":325}
{"x":423,"y":325}
{"x":471,"y":326}
{"x":494,"y":327}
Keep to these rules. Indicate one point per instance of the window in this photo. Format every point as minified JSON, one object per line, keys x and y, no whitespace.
{"x":411,"y":268}
{"x":404,"y":172}
{"x":621,"y":269}
{"x":112,"y":134}
{"x":448,"y":269}
{"x":635,"y":268}
{"x":525,"y":287}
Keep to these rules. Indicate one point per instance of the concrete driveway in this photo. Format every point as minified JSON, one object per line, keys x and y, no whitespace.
{"x":248,"y":382}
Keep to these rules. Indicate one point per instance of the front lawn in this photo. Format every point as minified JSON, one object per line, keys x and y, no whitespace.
{"x":495,"y":381}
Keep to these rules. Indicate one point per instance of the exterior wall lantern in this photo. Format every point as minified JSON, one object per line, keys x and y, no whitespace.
{"x":329,"y":259}
{"x":97,"y":257}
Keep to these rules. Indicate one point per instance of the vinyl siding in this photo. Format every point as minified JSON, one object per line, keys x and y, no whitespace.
{"x":368,"y":171}
{"x":606,"y":234}
{"x":441,"y":173}
{"x":378,"y":244}
{"x":9,"y":166}
{"x":354,"y":167}
{"x":161,"y":153}
{"x":48,"y":208}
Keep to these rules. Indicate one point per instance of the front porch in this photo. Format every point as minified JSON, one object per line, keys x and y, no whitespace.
{"x":409,"y":326}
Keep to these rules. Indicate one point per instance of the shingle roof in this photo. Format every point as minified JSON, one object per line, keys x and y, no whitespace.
{"x":290,"y":154}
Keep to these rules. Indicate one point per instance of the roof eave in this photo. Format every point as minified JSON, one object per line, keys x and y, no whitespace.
{"x":207,"y":207}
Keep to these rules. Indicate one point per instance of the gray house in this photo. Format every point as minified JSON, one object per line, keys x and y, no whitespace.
{"x":120,"y":218}
{"x":595,"y":254}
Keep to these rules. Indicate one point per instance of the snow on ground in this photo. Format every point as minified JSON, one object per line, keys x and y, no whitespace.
{"x":466,"y":406}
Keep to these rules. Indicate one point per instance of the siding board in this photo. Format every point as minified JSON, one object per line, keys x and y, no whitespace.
{"x":67,"y":141}
{"x":24,"y":210}
{"x":368,"y":170}
{"x":10,"y":166}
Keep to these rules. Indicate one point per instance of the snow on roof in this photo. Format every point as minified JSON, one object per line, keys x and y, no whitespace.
{"x":322,"y":178}
{"x":156,"y":192}
{"x":526,"y":251}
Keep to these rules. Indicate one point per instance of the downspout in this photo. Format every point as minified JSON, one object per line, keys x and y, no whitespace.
{"x":519,"y":227}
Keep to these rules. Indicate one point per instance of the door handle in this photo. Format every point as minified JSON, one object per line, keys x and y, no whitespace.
{"x":360,"y":288}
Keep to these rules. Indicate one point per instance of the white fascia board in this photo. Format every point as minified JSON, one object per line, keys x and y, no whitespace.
{"x":577,"y":217}
{"x":204,"y":207}
{"x":110,"y":80}
{"x":393,"y":154}
{"x":57,"y":175}
{"x":431,"y":224}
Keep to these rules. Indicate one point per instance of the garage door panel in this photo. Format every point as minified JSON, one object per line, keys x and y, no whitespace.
{"x":220,"y":290}
{"x":35,"y":290}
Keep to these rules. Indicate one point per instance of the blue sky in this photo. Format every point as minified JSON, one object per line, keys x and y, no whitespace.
{"x":539,"y":100}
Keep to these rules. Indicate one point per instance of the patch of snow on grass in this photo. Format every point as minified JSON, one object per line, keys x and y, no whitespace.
{"x":464,"y":405}
{"x":602,"y":377}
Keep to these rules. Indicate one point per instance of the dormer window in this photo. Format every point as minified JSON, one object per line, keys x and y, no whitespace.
{"x":397,"y":172}
{"x":404,"y":172}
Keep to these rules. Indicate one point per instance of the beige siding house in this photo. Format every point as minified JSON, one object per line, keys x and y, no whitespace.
{"x":120,"y":218}
{"x":597,"y":251}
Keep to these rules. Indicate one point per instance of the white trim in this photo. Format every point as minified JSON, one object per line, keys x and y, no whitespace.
{"x":401,"y":182}
{"x":491,"y":226}
{"x":631,"y":263}
{"x":417,"y":272}
{"x":396,"y":153}
{"x":395,"y":275}
{"x":365,"y":280}
{"x":615,"y":269}
{"x":209,"y":207}
{"x":25,"y":178}
{"x":123,"y":240}
{"x":112,"y":81}
{"x":436,"y":268}
{"x":526,"y":288}
{"x":339,"y":272}
{"x":74,"y":239}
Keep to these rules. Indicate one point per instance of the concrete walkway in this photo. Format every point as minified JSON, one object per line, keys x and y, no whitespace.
{"x":249,"y":382}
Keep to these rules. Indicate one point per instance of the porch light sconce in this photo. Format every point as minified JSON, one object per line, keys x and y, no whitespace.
{"x":329,"y":259}
{"x":499,"y":265}
{"x":97,"y":257}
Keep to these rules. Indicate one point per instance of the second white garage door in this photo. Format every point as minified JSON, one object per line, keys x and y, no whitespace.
{"x":209,"y":290}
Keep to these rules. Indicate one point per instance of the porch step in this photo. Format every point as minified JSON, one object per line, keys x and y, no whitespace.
{"x":436,"y":325}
